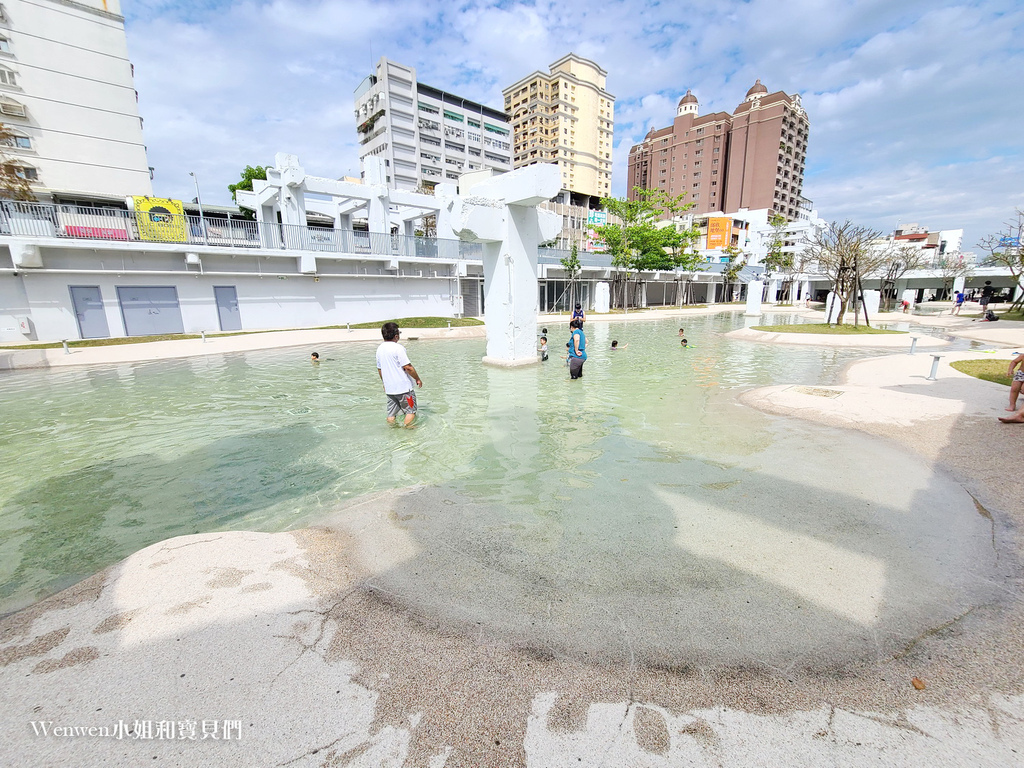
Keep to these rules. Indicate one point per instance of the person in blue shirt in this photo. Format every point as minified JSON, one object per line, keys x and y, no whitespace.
{"x":577,"y":349}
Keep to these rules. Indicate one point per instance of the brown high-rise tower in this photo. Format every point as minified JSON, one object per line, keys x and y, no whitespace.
{"x":753,"y":158}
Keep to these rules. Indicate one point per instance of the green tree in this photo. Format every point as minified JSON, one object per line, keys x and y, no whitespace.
{"x":641,"y":240}
{"x":736,"y":261}
{"x":572,"y":267}
{"x":1004,"y":250}
{"x":778,"y":259}
{"x":249,"y":174}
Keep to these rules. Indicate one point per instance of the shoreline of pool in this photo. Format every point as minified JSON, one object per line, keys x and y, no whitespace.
{"x":12,"y":359}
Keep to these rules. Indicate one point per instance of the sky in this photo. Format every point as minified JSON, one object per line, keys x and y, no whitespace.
{"x":915,"y":106}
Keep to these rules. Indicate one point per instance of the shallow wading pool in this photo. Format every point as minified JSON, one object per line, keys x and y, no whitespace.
{"x":640,"y":513}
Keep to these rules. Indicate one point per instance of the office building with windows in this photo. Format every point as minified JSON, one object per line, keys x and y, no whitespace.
{"x":68,"y":98}
{"x":751,"y":159}
{"x":566,"y":116}
{"x":423,"y":134}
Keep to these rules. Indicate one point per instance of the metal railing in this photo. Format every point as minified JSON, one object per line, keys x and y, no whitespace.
{"x":112,"y":224}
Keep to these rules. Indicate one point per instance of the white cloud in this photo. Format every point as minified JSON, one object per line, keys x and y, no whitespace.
{"x":912,"y":104}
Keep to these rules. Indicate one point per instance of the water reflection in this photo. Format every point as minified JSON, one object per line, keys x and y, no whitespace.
{"x":96,"y":463}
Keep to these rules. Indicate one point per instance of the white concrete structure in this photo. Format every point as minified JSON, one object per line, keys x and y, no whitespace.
{"x":67,"y":94}
{"x":424,"y":135}
{"x":502,"y":214}
{"x":755,"y":288}
{"x":933,"y":245}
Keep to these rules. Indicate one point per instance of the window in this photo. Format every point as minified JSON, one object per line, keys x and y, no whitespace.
{"x":453,"y":116}
{"x":12,"y":108}
{"x":5,"y":44}
{"x":26,"y":172}
{"x":7,"y":77}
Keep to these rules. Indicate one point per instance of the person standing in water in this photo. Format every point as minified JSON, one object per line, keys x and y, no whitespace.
{"x":578,"y":314}
{"x":397,"y":375}
{"x":577,"y":349}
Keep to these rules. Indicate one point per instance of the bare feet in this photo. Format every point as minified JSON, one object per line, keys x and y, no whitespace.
{"x":1017,"y":418}
{"x":1011,"y":408}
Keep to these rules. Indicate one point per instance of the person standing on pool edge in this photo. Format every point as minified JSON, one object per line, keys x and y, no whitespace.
{"x":398,"y":375}
{"x":577,"y":349}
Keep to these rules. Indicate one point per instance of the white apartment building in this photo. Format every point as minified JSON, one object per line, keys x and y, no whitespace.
{"x":934,"y":245}
{"x":426,"y":135}
{"x":68,"y":96}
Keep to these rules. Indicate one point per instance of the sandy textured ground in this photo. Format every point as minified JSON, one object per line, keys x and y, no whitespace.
{"x":297,"y":642}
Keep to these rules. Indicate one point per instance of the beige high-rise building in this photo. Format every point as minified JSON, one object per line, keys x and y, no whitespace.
{"x":566,"y":117}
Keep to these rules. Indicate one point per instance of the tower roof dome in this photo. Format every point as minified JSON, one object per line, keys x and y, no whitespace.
{"x":689,"y":98}
{"x":756,"y":89}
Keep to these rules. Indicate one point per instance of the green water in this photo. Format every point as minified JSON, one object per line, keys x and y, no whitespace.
{"x":96,"y":463}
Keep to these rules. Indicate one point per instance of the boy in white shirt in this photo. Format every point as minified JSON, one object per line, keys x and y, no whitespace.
{"x":397,"y":374}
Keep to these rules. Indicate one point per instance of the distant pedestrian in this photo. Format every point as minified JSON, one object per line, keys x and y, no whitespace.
{"x":986,"y":296}
{"x":578,"y":314}
{"x":958,"y":302}
{"x":577,"y":349}
{"x":398,"y":375}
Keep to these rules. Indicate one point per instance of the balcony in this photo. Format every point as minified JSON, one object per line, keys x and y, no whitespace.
{"x":71,"y":223}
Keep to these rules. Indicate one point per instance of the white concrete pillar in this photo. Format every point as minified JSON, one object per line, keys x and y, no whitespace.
{"x":806,"y":289}
{"x":958,"y":283}
{"x":773,"y":291}
{"x":602,"y":298}
{"x":872,"y":300}
{"x":502,"y":214}
{"x":754,"y":290}
{"x":832,"y":307}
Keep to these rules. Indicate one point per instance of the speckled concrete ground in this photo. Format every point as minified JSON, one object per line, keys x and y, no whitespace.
{"x":306,"y":651}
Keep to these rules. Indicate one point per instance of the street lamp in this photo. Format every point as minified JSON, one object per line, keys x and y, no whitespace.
{"x":199,"y":199}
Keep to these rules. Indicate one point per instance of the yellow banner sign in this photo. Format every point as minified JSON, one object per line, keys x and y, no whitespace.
{"x":160,"y":220}
{"x":718,"y":232}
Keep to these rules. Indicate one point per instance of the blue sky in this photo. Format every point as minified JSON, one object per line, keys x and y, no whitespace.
{"x":915,"y":106}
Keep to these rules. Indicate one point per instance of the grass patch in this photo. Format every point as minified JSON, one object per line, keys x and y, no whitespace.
{"x":824,"y":328}
{"x":418,"y":322}
{"x":1011,"y":315}
{"x":408,"y":322}
{"x":989,"y":370}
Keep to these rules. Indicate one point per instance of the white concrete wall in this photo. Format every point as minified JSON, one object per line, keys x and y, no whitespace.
{"x":263,"y":303}
{"x":75,"y":80}
{"x":349,"y":291}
